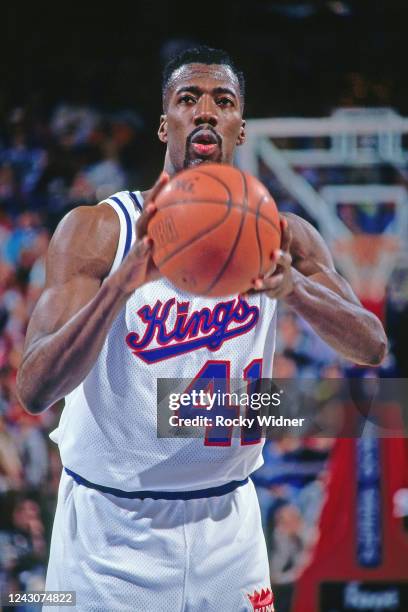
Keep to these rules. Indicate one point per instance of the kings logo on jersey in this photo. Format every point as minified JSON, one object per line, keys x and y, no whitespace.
{"x":172,"y":330}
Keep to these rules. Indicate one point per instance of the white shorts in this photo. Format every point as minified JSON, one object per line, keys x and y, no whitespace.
{"x":141,"y":555}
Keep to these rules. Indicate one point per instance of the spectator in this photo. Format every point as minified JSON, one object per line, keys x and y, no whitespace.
{"x":99,"y":180}
{"x":36,"y":276}
{"x":288,"y":542}
{"x":21,"y":237}
{"x":32,"y":449}
{"x":73,"y":125}
{"x":23,"y":550}
{"x":22,"y":162}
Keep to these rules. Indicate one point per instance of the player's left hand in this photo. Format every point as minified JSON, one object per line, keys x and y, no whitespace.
{"x":278,"y":282}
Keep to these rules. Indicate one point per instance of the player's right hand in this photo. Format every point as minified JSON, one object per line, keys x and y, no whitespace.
{"x":138,"y":267}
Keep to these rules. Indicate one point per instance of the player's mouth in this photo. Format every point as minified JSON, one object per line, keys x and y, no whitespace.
{"x":205,"y":142}
{"x":204,"y":149}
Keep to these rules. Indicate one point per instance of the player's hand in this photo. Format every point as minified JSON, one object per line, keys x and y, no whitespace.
{"x":138,"y":268}
{"x":278,"y":282}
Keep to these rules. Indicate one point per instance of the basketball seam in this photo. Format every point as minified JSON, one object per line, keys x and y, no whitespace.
{"x":237,"y":237}
{"x":216,"y":178}
{"x":222,"y":203}
{"x":206,"y":231}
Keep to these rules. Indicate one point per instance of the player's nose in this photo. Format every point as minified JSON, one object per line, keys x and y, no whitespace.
{"x":205,"y":112}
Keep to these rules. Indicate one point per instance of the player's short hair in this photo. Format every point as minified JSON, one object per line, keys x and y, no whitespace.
{"x":201,"y":55}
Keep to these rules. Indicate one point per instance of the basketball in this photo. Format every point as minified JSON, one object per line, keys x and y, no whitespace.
{"x":214,"y":230}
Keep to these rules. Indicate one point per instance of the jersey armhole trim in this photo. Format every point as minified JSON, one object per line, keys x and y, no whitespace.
{"x":125,"y":231}
{"x":128,"y":240}
{"x":134,"y":196}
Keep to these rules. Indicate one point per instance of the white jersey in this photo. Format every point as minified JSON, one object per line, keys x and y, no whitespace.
{"x":108,"y":429}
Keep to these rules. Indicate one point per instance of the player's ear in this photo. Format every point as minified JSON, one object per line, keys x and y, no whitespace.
{"x":242,"y":134}
{"x":162,"y":132}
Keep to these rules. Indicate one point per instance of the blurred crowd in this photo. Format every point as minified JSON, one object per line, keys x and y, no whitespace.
{"x":78,"y":156}
{"x":47,"y":166}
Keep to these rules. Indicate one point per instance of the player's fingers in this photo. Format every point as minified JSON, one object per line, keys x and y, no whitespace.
{"x":272,"y":268}
{"x":149,"y":206}
{"x":143,"y":248}
{"x":152,"y":272}
{"x":143,"y":221}
{"x":286,"y":234}
{"x":273,"y":259}
{"x":268,"y":284}
{"x":245,"y":294}
{"x":282,"y":258}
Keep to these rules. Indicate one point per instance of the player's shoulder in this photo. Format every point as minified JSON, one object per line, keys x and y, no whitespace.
{"x":87,"y":223}
{"x":307,"y":245}
{"x":303,"y":232}
{"x":89,"y":235}
{"x":85,"y":241}
{"x":103,"y":215}
{"x":298,"y":224}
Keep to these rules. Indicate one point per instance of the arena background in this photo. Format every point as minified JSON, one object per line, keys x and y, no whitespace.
{"x":79,"y":107}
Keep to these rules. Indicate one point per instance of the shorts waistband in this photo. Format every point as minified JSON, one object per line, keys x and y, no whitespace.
{"x":201,"y":493}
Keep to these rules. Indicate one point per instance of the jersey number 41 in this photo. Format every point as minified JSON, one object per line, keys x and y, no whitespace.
{"x":215,"y":378}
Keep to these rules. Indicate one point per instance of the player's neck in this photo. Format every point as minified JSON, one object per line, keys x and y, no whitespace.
{"x":169,"y":166}
{"x":145,"y":195}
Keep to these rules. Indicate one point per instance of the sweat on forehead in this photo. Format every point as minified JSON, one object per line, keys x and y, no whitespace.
{"x":188,"y":72}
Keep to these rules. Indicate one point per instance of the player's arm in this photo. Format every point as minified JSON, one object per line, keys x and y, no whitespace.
{"x":80,"y":301}
{"x":307,"y":280}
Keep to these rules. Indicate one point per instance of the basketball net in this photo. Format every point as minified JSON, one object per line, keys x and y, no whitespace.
{"x":367,"y":261}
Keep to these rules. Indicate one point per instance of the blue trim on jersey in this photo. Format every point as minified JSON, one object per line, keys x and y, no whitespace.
{"x":128,"y":226}
{"x":135,"y":200}
{"x":201,"y":493}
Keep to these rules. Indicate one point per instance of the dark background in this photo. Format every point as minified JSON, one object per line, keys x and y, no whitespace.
{"x":301,"y":58}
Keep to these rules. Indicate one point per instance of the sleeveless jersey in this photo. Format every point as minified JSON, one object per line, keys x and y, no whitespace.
{"x":108,"y":428}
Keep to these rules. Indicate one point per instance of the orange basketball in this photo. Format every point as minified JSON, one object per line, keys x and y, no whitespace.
{"x":214,"y":230}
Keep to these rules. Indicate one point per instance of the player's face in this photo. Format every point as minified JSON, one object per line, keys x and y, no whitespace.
{"x":203,"y":122}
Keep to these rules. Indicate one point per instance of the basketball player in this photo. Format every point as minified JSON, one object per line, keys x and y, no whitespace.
{"x":166,"y":524}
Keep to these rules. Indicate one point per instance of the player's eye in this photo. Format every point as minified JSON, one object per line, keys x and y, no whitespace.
{"x":225,"y":102}
{"x":187,"y":99}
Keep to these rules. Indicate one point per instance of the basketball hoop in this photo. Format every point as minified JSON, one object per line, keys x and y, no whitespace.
{"x":330,"y":167}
